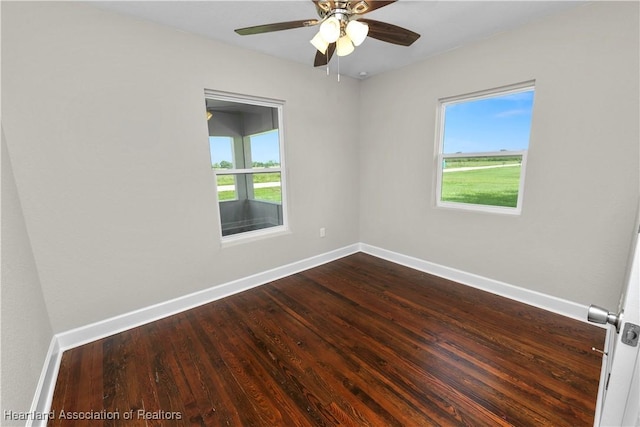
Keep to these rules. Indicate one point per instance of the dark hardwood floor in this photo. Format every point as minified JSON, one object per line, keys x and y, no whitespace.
{"x":356,"y":342}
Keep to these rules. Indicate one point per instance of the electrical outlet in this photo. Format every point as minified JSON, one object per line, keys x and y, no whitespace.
{"x":323,"y":232}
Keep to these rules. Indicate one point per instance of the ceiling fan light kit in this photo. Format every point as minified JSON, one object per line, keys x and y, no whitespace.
{"x":342,"y":28}
{"x":357,"y":32}
{"x":330,"y":29}
{"x":344,"y":46}
{"x":320,"y":43}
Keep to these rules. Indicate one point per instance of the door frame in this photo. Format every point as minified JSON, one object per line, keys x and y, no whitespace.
{"x":619,"y":405}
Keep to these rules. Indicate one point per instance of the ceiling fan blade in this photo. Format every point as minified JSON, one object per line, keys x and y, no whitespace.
{"x":370,"y":5}
{"x":278,"y":26}
{"x":390,"y":33}
{"x":324,"y":58}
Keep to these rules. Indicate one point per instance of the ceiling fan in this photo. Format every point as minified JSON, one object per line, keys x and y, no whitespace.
{"x":342,"y":28}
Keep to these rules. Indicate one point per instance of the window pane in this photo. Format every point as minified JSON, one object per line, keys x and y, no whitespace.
{"x":492,"y":181}
{"x":249,"y":213}
{"x":267,"y":187}
{"x":265,"y":149}
{"x":499,"y":123}
{"x":494,"y":130}
{"x":221,"y":148}
{"x":243,"y":138}
{"x":227,"y":187}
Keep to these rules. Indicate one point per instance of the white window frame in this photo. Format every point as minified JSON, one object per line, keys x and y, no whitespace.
{"x":441,"y":157}
{"x":265,"y":232}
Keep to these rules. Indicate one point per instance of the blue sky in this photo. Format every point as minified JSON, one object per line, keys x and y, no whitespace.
{"x":491,"y":124}
{"x":220,"y":148}
{"x":264,"y":147}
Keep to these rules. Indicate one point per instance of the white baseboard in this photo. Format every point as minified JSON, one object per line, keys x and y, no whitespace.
{"x":76,"y":337}
{"x":537,"y":299}
{"x":46,"y":384}
{"x":85,"y":334}
{"x":123,"y":322}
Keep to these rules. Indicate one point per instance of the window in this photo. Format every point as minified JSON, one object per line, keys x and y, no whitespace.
{"x":245,"y":143}
{"x":483,"y":140}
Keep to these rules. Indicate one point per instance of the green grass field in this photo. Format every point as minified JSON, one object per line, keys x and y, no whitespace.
{"x":494,"y":186}
{"x":258,"y":177}
{"x":466,"y":162}
{"x":269,"y":194}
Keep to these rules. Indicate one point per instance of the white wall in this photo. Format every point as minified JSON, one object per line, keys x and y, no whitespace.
{"x":581,"y":189}
{"x":104,"y":118}
{"x":26,"y":331}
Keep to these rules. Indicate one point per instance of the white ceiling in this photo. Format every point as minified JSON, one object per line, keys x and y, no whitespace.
{"x":443,"y":25}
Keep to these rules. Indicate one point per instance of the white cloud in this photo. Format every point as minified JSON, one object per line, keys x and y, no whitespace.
{"x":514,"y":112}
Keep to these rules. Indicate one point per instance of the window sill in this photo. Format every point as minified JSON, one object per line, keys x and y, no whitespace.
{"x":252,"y":236}
{"x":480,"y":208}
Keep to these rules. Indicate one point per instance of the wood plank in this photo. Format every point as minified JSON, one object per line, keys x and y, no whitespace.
{"x":358,"y":341}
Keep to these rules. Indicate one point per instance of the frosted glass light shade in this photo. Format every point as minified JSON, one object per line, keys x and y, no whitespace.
{"x":330,"y":29}
{"x":344,"y":46}
{"x":320,"y":43}
{"x":357,"y":32}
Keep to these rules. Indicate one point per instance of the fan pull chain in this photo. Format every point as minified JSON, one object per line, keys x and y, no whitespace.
{"x":338,"y":69}
{"x":326,"y":54}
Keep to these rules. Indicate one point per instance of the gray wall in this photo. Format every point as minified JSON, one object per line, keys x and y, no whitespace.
{"x":104,"y":117}
{"x":104,"y":123}
{"x":26,"y":331}
{"x":581,"y":188}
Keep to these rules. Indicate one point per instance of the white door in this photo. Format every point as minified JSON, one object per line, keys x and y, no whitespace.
{"x":618,"y":399}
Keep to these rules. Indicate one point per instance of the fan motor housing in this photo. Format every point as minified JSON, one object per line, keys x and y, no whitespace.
{"x":345,"y":7}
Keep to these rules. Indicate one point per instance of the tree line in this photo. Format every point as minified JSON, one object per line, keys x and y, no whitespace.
{"x":224,"y":164}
